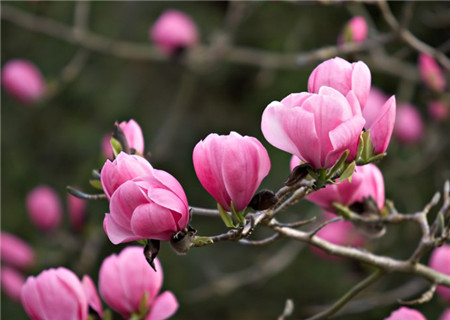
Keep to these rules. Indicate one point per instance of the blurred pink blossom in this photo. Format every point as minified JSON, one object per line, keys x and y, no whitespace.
{"x":366,"y":181}
{"x":173,"y":31}
{"x":148,"y":207}
{"x":12,"y":282}
{"x":44,"y":208}
{"x":317,"y":128}
{"x":438,"y":110}
{"x":231,"y":167}
{"x":355,"y":30}
{"x":23,"y":80}
{"x":405,"y":313}
{"x":126,"y":277}
{"x":54,"y":294}
{"x":445,"y":315}
{"x":77,"y":211}
{"x":431,"y":73}
{"x":440,"y":261}
{"x":15,"y":251}
{"x":409,"y":126}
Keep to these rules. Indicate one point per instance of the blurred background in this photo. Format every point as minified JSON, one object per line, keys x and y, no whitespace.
{"x":100,"y":67}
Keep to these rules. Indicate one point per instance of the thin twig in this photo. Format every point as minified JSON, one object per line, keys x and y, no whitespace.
{"x":348,"y":296}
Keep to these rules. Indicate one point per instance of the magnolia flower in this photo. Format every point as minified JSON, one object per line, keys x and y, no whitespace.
{"x":354,"y":31}
{"x":405,"y":313}
{"x":231,"y":168}
{"x":15,"y":251}
{"x":126,"y":278}
{"x":11,"y":282}
{"x":431,"y":73}
{"x":317,"y":128}
{"x":439,"y":261}
{"x":409,"y":126}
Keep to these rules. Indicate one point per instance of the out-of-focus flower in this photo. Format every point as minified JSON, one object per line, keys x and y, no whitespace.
{"x":133,"y":133}
{"x":405,"y":313}
{"x":125,"y":167}
{"x":174,"y":31}
{"x":124,"y":281}
{"x":231,"y":167}
{"x":12,"y":282}
{"x":440,"y":261}
{"x":77,"y":211}
{"x":23,"y":80}
{"x":44,"y":208}
{"x":107,"y":150}
{"x":317,"y":128}
{"x":409,"y":127}
{"x":15,"y":251}
{"x":445,"y":315}
{"x":92,"y":297}
{"x":379,"y":114}
{"x":148,"y":207}
{"x":54,"y":294}
{"x":431,"y":73}
{"x":354,"y":31}
{"x":341,"y":233}
{"x":367,"y":181}
{"x":343,"y":76}
{"x":438,"y":110}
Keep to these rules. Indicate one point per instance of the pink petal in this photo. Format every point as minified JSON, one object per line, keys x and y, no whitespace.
{"x":116,"y":233}
{"x":382,"y":127}
{"x":92,"y":295}
{"x":361,"y":81}
{"x":152,"y":221}
{"x":164,"y":307}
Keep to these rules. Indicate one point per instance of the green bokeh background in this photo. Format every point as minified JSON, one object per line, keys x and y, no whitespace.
{"x":58,"y":143}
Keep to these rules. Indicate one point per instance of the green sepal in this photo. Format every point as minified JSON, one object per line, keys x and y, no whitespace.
{"x":338,"y":165}
{"x":143,"y":310}
{"x":116,"y":146}
{"x":107,"y":314}
{"x":96,"y":184}
{"x":237,"y":215}
{"x":348,"y":172}
{"x":202,"y":241}
{"x":342,"y":210}
{"x":367,"y":151}
{"x":377,"y":157}
{"x":225,"y":217}
{"x":360,"y":149}
{"x":142,"y":241}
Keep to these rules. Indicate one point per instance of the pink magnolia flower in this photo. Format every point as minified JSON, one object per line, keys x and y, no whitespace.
{"x":125,"y":278}
{"x":440,"y":261}
{"x":53,"y":295}
{"x":174,"y":30}
{"x":405,"y":313}
{"x":23,"y":80}
{"x":431,"y":73}
{"x":366,"y":181}
{"x":15,"y":251}
{"x":341,"y":233}
{"x":125,"y":167}
{"x":44,"y":208}
{"x":317,"y":128}
{"x":147,"y":207}
{"x":231,"y":167}
{"x":445,"y":315}
{"x":12,"y":282}
{"x":409,"y":126}
{"x":355,"y":30}
{"x":342,"y":76}
{"x":133,"y":133}
{"x":438,"y":110}
{"x":379,"y":114}
{"x":77,"y":211}
{"x":91,"y":295}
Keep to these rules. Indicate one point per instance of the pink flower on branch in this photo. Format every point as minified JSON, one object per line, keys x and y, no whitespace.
{"x":431,"y":73}
{"x":151,"y":206}
{"x":440,"y":261}
{"x":231,"y":168}
{"x":317,"y":128}
{"x":355,"y":30}
{"x":15,"y":251}
{"x":343,"y":76}
{"x":133,"y":134}
{"x":409,"y":126}
{"x":405,"y":313}
{"x":23,"y":80}
{"x":126,"y":282}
